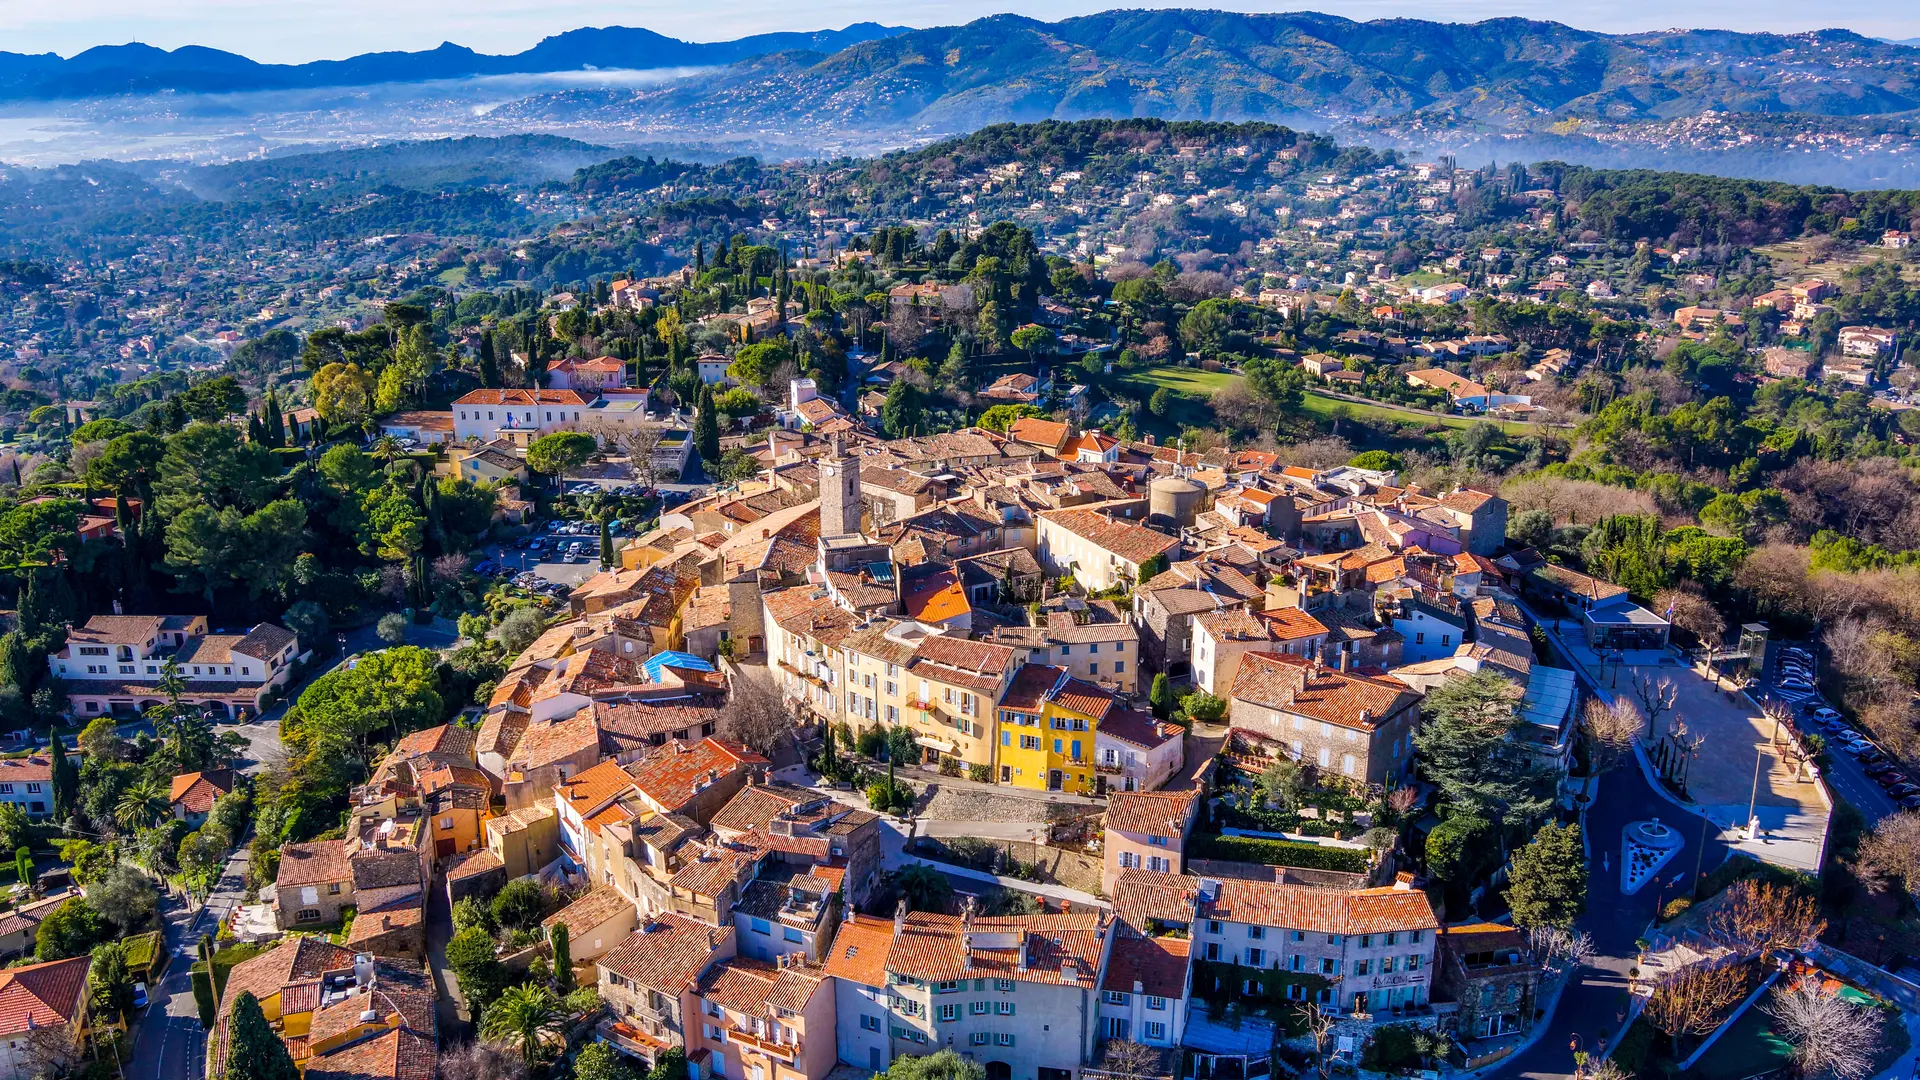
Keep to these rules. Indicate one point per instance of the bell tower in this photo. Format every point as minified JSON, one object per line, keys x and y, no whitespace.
{"x":839,"y":491}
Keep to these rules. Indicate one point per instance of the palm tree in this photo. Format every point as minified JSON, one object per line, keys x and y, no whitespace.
{"x":925,"y":888}
{"x":522,"y":1015}
{"x":140,"y":805}
{"x":386,"y":448}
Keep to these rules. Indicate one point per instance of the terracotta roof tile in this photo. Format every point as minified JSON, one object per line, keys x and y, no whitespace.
{"x":667,"y":953}
{"x":860,"y":949}
{"x":1153,"y":966}
{"x":1297,"y":685}
{"x":42,"y":995}
{"x":1154,"y":813}
{"x":1129,"y":541}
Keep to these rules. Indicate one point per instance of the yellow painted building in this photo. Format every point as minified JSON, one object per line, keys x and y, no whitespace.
{"x":1048,"y":721}
{"x":952,"y":686}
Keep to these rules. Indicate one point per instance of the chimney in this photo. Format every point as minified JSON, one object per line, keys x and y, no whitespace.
{"x":1021,"y":963}
{"x":900,"y":918}
{"x":1344,"y":657}
{"x":1066,"y":906}
{"x":1403,"y":881}
{"x":1366,"y":717}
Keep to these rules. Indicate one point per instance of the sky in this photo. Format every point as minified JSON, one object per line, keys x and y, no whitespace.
{"x":292,"y":31}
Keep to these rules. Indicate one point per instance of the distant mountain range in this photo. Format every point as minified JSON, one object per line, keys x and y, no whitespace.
{"x":1500,"y":74}
{"x":111,"y":70}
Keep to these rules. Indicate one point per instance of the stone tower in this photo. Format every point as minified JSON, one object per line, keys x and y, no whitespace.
{"x":839,"y":492}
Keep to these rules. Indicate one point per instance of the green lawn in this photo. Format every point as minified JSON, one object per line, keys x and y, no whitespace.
{"x":1198,"y":386}
{"x":1182,"y":380}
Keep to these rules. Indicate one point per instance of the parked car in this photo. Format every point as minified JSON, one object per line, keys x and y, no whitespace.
{"x":484,"y":566}
{"x":1911,"y":802}
{"x":1903,"y":789}
{"x":139,"y":995}
{"x":1823,"y":712}
{"x":1795,"y":684}
{"x":1880,"y":770}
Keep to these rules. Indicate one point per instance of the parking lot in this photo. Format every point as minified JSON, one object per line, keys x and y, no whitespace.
{"x":1790,"y":675}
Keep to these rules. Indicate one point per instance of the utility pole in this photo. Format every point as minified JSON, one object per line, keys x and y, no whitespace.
{"x":1753,"y":799}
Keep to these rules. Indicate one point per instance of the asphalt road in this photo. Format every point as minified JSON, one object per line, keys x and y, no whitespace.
{"x":169,"y":1043}
{"x":1843,"y":773}
{"x":1593,"y":1004}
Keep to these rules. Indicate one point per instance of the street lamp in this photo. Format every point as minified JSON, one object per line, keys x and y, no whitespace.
{"x":1579,"y":1055}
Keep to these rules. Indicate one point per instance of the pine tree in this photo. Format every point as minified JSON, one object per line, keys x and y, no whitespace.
{"x":62,"y":780}
{"x":254,"y":1052}
{"x":14,"y":663}
{"x":706,"y":427}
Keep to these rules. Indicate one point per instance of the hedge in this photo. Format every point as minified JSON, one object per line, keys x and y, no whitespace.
{"x":1259,"y":849}
{"x":203,"y":994}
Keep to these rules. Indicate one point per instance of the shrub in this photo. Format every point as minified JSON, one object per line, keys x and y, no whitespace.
{"x":949,"y":766}
{"x":1675,"y":908}
{"x":203,"y":994}
{"x":980,"y":774}
{"x":1267,"y":852}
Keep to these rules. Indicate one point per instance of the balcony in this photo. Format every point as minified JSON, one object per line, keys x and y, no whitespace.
{"x":786,"y":1052}
{"x":630,"y":1039}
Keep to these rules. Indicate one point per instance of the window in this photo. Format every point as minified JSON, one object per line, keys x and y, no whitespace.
{"x":1004,"y":1008}
{"x":1117,"y":1027}
{"x":1393,"y":938}
{"x":1029,"y":742}
{"x":1299,"y":962}
{"x":1297,"y":935}
{"x":1128,"y":860}
{"x":1093,"y":669}
{"x":869,"y":1023}
{"x":1003,"y":1038}
{"x":307,"y":915}
{"x":1213,"y":950}
{"x":1362,"y":967}
{"x":1446,"y":639}
{"x":760,"y":926}
{"x":1420,"y":638}
{"x":1254,"y":933}
{"x":949,"y":1012}
{"x":1329,"y":966}
{"x":793,"y":935}
{"x":1213,"y":926}
{"x":978,"y":1038}
{"x":1005,"y":986}
{"x":6,"y":789}
{"x":1119,"y":667}
{"x":1415,"y":936}
{"x":1157,"y":1004}
{"x":1159,"y":865}
{"x":1066,"y":650}
{"x":1155,"y":1029}
{"x":1413,"y":962}
{"x":981,"y":1008}
{"x":1386,"y":965}
{"x":1256,"y":957}
{"x":950,"y":986}
{"x":1118,"y":997}
{"x":333,"y":888}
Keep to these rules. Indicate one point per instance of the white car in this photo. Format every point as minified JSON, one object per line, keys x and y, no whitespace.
{"x":1826,"y":714}
{"x":1792,"y":683}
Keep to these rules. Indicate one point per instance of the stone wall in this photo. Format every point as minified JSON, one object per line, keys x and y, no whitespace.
{"x":1057,"y":866}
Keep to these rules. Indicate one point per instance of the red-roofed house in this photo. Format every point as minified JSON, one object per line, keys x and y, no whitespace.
{"x":1147,"y":830}
{"x":1144,"y":996}
{"x":43,"y":1016}
{"x":192,"y":794}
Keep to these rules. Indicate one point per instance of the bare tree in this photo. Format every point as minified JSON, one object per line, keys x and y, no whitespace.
{"x":1657,"y":694}
{"x":1563,"y":948}
{"x":482,"y":1061}
{"x":1890,"y":854}
{"x":1129,"y":1058}
{"x":1694,"y":1000}
{"x":637,"y":442}
{"x":758,"y":716}
{"x":1611,"y":729}
{"x":1831,"y":1036}
{"x":1756,"y":916}
{"x":1319,"y":1029}
{"x":1695,"y":614}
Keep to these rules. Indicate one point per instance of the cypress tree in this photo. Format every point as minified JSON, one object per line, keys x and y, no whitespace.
{"x":606,"y":541}
{"x":489,"y":363}
{"x":62,"y":780}
{"x":562,"y":957}
{"x":706,"y":427}
{"x":256,"y":432}
{"x":1161,"y":696}
{"x":13,"y":662}
{"x":254,"y":1052}
{"x":276,"y":422}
